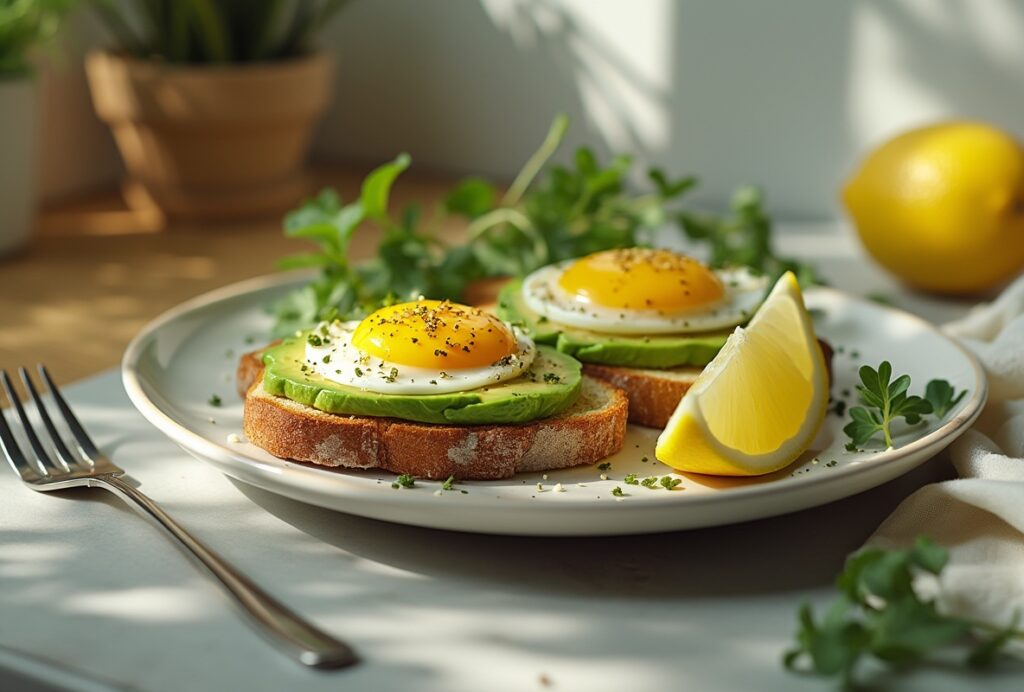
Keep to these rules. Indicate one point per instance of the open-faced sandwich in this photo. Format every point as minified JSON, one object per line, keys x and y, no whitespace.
{"x":432,"y":389}
{"x":646,"y":320}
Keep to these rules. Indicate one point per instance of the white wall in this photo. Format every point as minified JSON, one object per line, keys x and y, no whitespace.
{"x":783,"y":93}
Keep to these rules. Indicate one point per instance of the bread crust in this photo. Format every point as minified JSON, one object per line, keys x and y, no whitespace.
{"x":653,"y":394}
{"x":593,"y":428}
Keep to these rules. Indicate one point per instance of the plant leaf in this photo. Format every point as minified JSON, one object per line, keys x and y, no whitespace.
{"x":471,"y":198}
{"x":377,"y":188}
{"x":941,"y":395}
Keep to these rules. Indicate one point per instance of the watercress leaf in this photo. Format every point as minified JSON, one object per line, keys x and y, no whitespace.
{"x":376,"y":188}
{"x":910,"y":407}
{"x":835,"y":647}
{"x":321,"y":231}
{"x":861,"y":431}
{"x":884,"y":374}
{"x":669,"y":189}
{"x":849,"y":580}
{"x":942,"y":396}
{"x":870,"y":397}
{"x":303,"y":261}
{"x":870,"y":380}
{"x":907,"y":628}
{"x":899,"y":386}
{"x":471,"y":198}
{"x":984,"y":654}
{"x":888,"y":577}
{"x":928,"y":555}
{"x":346,"y":221}
{"x":861,"y":415}
{"x":586,"y":162}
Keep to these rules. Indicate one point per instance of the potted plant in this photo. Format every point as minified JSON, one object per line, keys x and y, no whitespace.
{"x":24,"y":25}
{"x":212,"y":103}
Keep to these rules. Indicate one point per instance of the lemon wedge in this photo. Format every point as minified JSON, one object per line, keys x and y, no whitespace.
{"x":759,"y":404}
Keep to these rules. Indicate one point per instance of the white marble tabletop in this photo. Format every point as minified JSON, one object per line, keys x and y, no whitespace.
{"x":93,"y":598}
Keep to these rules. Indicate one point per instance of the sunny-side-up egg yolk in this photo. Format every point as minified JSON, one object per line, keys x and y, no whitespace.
{"x":423,"y":347}
{"x":642,"y":279}
{"x":643,"y":291}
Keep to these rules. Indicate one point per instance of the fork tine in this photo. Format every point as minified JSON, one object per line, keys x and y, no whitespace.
{"x":64,"y":456}
{"x":10,"y":446}
{"x":43,"y":460}
{"x":85,"y":442}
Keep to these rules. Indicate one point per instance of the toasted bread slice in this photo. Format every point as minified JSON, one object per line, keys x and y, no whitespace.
{"x":653,"y":394}
{"x":592,"y":428}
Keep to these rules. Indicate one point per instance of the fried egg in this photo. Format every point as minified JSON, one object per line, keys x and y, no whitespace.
{"x":422,"y":347}
{"x":643,"y":291}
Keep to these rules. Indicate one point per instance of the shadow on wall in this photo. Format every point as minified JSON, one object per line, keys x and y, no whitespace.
{"x":722,"y":89}
{"x":786,"y":94}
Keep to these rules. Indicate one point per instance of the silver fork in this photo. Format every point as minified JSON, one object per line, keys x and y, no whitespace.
{"x":90,"y":468}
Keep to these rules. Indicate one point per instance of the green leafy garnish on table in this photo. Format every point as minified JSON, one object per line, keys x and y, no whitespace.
{"x":886,"y":401}
{"x":881,"y":615}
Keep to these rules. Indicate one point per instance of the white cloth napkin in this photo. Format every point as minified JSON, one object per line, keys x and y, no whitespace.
{"x":979,"y":517}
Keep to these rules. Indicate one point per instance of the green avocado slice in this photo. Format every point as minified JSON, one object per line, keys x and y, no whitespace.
{"x":658,"y":351}
{"x":550,"y":386}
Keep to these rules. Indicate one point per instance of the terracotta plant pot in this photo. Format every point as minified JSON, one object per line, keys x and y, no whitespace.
{"x":216,"y":142}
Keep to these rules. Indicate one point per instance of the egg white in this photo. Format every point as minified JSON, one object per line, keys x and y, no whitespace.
{"x":744,"y":292}
{"x":337,"y":360}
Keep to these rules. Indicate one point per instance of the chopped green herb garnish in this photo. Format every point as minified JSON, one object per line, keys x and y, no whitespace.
{"x":552,"y":378}
{"x":448,"y":483}
{"x":668,"y":482}
{"x":604,"y":466}
{"x":404,"y":481}
{"x":649,"y":482}
{"x":314,"y":340}
{"x":617,"y":491}
{"x":630,"y":479}
{"x":214,"y":400}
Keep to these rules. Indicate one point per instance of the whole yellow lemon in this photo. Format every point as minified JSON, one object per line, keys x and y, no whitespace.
{"x":943,"y":207}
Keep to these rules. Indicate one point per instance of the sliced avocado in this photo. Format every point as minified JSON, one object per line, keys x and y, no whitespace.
{"x":657,"y":351}
{"x":550,"y":385}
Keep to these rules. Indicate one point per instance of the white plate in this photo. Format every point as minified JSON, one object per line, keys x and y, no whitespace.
{"x":175,"y":365}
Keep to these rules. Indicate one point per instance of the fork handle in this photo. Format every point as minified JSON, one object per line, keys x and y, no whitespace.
{"x":300,"y":639}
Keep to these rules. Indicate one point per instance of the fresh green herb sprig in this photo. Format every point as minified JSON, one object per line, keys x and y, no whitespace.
{"x":885,"y":401}
{"x":744,"y":237}
{"x":549,"y":213}
{"x":569,"y":211}
{"x":880,"y":614}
